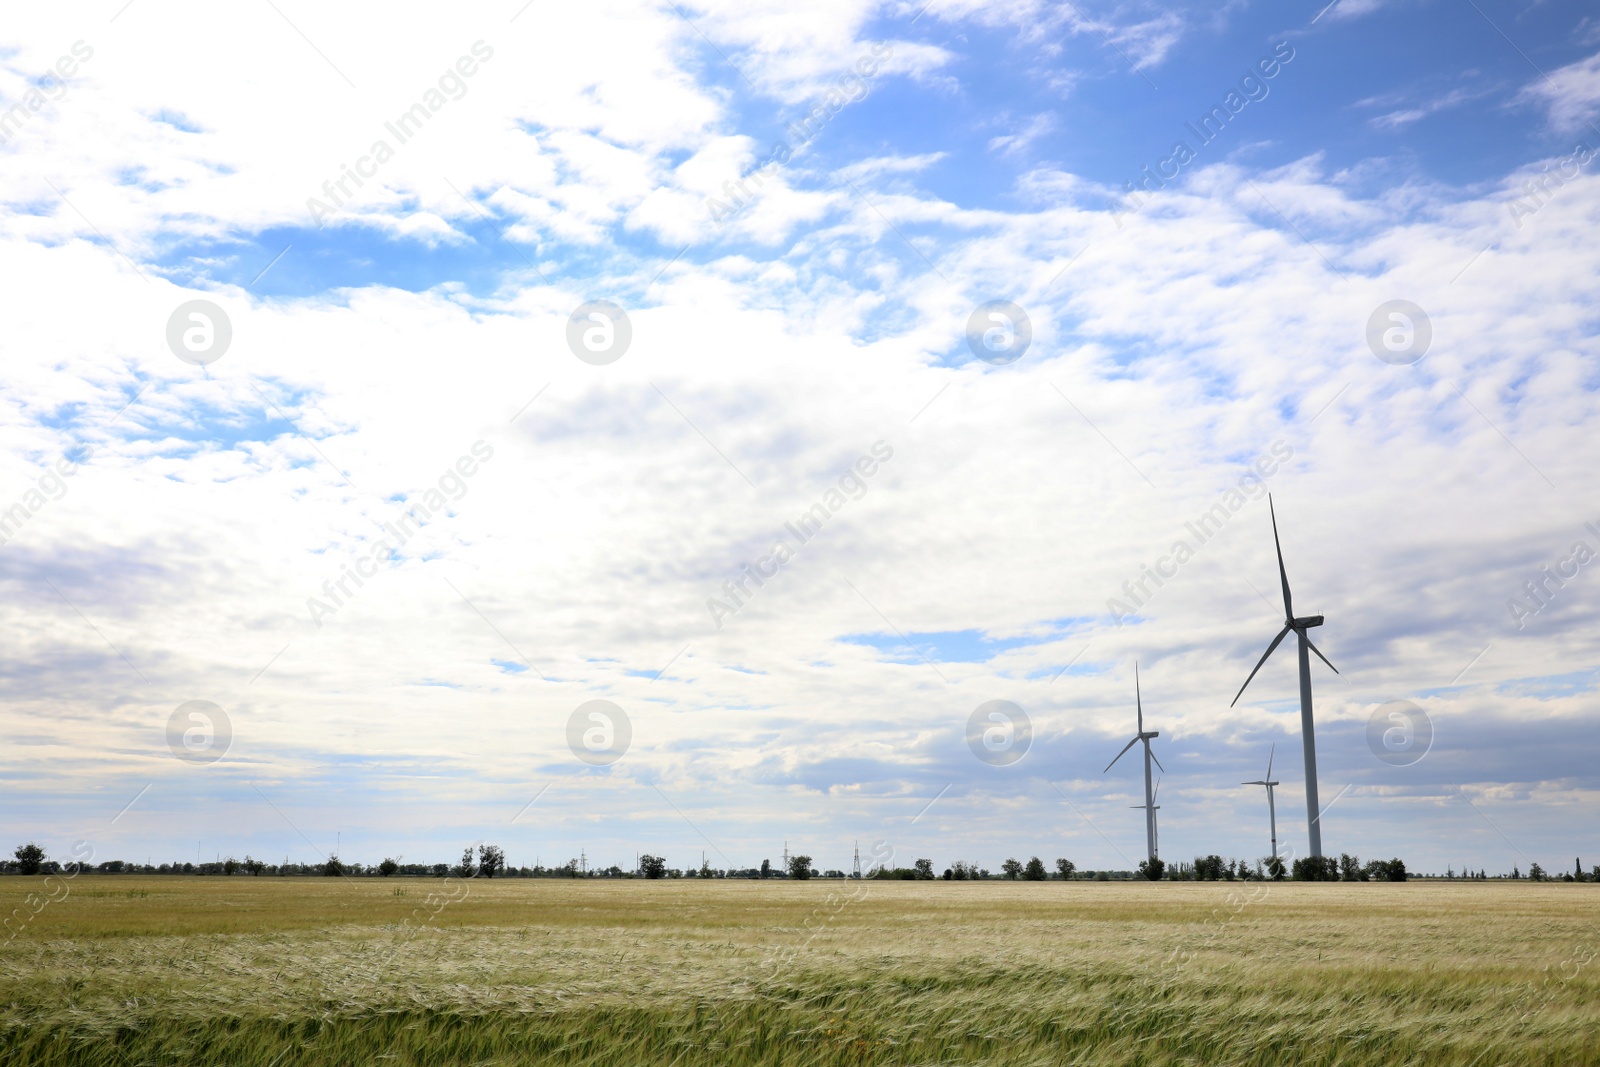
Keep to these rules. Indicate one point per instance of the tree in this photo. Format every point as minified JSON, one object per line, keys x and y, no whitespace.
{"x":1350,"y":869}
{"x":1316,"y":869}
{"x":1152,"y":869}
{"x":1065,"y":868}
{"x":491,"y":860}
{"x":1386,"y":870}
{"x":254,"y":867}
{"x":1012,"y":869}
{"x":230,"y":866}
{"x":333,"y":868}
{"x":30,"y":858}
{"x":1535,"y":873}
{"x":766,"y":868}
{"x":1275,"y":868}
{"x":388,"y":866}
{"x":653,"y":866}
{"x":705,"y":869}
{"x":1034,"y":871}
{"x":800,"y":867}
{"x":924,"y":870}
{"x":466,"y":868}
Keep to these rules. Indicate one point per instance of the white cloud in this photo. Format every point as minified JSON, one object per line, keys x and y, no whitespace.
{"x":1570,"y":95}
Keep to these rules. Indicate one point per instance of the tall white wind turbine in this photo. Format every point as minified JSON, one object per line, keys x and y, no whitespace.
{"x":1144,"y":735}
{"x":1307,"y":729}
{"x":1272,"y":811}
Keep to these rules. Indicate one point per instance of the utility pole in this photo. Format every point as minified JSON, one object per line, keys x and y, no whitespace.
{"x":857,"y":874}
{"x":583,"y":861}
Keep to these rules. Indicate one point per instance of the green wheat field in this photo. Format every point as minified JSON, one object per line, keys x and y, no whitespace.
{"x":276,"y":972}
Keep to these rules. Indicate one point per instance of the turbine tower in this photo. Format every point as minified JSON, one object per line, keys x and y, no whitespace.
{"x":1272,"y":811}
{"x":1307,"y":730}
{"x":1144,"y":735}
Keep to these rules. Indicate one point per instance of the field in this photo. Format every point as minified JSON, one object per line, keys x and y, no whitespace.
{"x":278,"y":972}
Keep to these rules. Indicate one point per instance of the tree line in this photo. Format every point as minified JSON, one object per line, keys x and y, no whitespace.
{"x":489,"y":861}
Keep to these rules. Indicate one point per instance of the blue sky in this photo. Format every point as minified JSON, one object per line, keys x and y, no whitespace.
{"x":593,"y":529}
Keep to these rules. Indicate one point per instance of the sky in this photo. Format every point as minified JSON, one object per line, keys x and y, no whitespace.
{"x":846,"y":397}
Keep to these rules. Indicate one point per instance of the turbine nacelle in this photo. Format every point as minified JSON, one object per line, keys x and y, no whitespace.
{"x":1305,"y":623}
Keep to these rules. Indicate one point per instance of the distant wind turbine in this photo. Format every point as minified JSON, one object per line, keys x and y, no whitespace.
{"x":1144,"y":735}
{"x":1272,"y":811}
{"x":1307,"y":730}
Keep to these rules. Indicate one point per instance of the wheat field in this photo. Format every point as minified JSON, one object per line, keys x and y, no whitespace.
{"x":277,"y":972}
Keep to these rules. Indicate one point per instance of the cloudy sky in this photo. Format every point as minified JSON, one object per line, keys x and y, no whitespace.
{"x":396,"y":384}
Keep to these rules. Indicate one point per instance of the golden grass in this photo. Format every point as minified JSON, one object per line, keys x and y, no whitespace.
{"x":309,"y":971}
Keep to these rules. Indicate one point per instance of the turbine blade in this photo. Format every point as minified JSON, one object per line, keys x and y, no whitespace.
{"x":1276,"y":641}
{"x":1153,"y":756}
{"x":1124,"y":751}
{"x":1283,"y":576}
{"x":1270,"y":754}
{"x":1156,"y":794}
{"x":1137,"y":698}
{"x":1320,"y":656}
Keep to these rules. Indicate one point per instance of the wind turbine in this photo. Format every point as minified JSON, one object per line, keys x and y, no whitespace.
{"x":1272,"y":811}
{"x":1307,"y":730}
{"x":1153,"y":809}
{"x":1144,"y":735}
